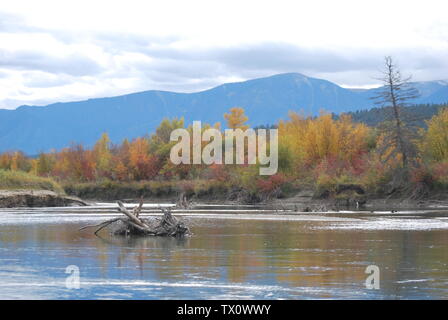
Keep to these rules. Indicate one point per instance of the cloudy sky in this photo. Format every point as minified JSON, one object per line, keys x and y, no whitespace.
{"x":72,"y":50}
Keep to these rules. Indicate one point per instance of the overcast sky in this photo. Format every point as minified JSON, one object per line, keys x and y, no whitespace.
{"x":72,"y":50}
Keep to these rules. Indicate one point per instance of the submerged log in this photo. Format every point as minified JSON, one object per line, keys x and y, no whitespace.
{"x":132,"y":224}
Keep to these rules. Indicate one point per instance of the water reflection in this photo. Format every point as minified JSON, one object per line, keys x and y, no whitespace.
{"x":228,"y":258}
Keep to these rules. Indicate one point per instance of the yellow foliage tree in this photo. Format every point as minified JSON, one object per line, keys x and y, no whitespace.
{"x":435,"y":139}
{"x":312,"y":140}
{"x":19,"y":161}
{"x":236,"y":119}
{"x":43,"y":165}
{"x":102,"y":154}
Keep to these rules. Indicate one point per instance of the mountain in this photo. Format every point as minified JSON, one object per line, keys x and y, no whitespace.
{"x":430,"y":92}
{"x":34,"y":129}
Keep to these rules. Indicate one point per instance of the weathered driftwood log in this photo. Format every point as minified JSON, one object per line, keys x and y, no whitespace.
{"x":132,"y":224}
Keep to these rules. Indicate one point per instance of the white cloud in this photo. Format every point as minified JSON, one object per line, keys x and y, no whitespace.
{"x":52,"y":50}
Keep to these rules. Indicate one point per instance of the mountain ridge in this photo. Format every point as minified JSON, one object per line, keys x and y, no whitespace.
{"x":266,"y":100}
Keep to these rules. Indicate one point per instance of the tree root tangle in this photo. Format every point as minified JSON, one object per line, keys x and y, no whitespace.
{"x":132,"y":224}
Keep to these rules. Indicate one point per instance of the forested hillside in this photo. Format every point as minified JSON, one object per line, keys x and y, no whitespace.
{"x":418,"y":114}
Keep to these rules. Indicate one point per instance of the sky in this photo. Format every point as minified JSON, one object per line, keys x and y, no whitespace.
{"x":52,"y":51}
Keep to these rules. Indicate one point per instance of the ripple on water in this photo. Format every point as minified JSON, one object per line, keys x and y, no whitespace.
{"x":388,"y":224}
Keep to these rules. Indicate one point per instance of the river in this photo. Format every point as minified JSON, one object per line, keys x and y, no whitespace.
{"x":230,"y":256}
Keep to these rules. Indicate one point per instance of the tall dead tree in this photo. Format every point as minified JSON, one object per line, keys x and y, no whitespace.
{"x":395,"y":95}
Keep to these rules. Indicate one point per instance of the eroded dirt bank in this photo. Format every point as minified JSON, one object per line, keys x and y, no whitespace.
{"x":36,"y":198}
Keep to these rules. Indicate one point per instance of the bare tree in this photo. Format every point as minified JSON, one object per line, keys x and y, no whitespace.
{"x":395,"y":95}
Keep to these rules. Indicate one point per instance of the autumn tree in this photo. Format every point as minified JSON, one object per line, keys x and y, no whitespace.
{"x":43,"y":165}
{"x":19,"y":162}
{"x":435,"y":139}
{"x":103,"y":156}
{"x":75,"y":163}
{"x":159,"y":142}
{"x":5,"y":160}
{"x":143,"y":164}
{"x":236,"y":119}
{"x":313,"y":140}
{"x":160,"y":146}
{"x":120,"y":161}
{"x":163,"y":131}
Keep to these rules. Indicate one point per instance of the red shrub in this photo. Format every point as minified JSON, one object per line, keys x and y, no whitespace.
{"x":272,"y":183}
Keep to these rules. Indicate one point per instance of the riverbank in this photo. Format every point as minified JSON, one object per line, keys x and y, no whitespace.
{"x":22,"y":189}
{"x":304,"y":199}
{"x":294,"y":201}
{"x":37,"y":198}
{"x":20,"y":180}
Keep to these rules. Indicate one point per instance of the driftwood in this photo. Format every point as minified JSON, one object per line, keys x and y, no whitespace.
{"x":132,"y":224}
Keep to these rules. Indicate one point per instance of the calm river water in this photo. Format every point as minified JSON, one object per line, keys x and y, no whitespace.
{"x":230,"y":256}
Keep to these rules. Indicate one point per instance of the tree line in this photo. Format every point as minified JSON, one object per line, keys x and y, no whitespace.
{"x":317,"y":152}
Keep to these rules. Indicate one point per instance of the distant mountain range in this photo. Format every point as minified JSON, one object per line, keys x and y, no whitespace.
{"x":430,"y":92}
{"x":266,"y":100}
